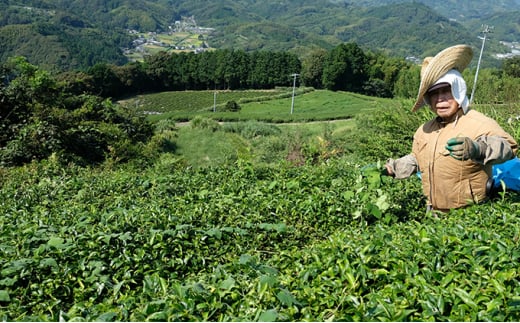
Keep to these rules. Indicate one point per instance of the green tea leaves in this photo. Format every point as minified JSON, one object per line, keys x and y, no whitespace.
{"x":4,"y":296}
{"x":321,"y":242}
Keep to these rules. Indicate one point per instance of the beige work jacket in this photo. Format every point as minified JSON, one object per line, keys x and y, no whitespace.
{"x":450,"y":183}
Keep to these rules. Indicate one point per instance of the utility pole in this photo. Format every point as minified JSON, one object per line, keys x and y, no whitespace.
{"x":487,"y":30}
{"x":293,"y":90}
{"x":215,"y":101}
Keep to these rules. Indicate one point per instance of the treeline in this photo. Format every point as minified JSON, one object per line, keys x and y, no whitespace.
{"x":221,"y":69}
{"x":347,"y":67}
{"x":344,"y":68}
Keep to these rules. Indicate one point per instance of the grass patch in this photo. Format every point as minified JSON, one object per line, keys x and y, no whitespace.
{"x":202,"y":148}
{"x":335,"y":127}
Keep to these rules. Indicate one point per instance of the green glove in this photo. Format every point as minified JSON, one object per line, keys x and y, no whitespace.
{"x":463,"y":148}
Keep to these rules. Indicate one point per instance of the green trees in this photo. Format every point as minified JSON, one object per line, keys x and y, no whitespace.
{"x":221,"y":69}
{"x":407,"y":82}
{"x":383,"y":72}
{"x":511,"y":66}
{"x":105,"y":81}
{"x":269,"y":69}
{"x":23,"y":90}
{"x":62,"y":47}
{"x":39,"y":116}
{"x":312,"y":68}
{"x":345,"y":68}
{"x":72,"y":114}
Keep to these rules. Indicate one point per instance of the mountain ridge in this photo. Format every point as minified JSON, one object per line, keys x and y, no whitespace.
{"x":87,"y":32}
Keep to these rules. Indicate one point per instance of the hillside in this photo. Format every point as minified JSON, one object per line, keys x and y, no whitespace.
{"x":461,"y":10}
{"x":77,"y":34}
{"x":399,"y":27}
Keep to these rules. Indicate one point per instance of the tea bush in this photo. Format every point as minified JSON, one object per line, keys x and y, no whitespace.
{"x":328,"y":240}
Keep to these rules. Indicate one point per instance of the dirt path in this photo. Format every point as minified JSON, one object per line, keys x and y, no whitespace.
{"x":187,"y":123}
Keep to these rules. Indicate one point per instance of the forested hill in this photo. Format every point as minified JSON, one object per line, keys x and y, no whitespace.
{"x":71,"y":34}
{"x":462,"y":10}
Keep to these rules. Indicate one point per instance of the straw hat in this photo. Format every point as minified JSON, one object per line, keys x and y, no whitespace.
{"x":433,"y":68}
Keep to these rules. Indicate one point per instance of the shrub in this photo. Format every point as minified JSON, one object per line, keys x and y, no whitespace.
{"x":33,"y":141}
{"x":377,"y":87}
{"x":272,"y":149}
{"x":232,"y":106}
{"x":386,"y":133}
{"x":251,"y":129}
{"x":47,"y":119}
{"x":162,"y":142}
{"x":165,"y":125}
{"x":205,"y":123}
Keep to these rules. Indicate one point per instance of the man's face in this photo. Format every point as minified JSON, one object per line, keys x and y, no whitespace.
{"x":443,"y":103}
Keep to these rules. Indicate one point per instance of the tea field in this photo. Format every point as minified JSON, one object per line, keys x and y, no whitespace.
{"x":312,"y":243}
{"x":328,"y":239}
{"x":273,"y":105}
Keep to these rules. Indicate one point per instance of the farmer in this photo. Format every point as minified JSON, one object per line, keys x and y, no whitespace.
{"x":455,"y":151}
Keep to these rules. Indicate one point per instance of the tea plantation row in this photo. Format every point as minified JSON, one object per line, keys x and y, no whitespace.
{"x":329,"y":241}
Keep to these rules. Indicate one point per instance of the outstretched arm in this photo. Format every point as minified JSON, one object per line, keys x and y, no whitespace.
{"x":485,"y":149}
{"x":403,"y":167}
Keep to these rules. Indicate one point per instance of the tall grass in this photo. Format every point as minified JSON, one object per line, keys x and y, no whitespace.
{"x":205,"y":143}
